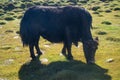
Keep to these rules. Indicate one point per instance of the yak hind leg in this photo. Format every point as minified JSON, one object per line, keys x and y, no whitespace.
{"x":68,"y":48}
{"x":69,"y":57}
{"x":38,"y":49}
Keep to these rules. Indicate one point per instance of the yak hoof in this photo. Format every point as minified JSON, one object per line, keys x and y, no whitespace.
{"x":64,"y":54}
{"x":39,"y":53}
{"x":91,"y":62}
{"x":70,"y":58}
{"x":33,"y":58}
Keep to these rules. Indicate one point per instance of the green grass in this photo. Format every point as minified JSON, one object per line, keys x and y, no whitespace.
{"x":15,"y":62}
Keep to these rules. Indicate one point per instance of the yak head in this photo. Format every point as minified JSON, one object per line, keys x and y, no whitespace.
{"x":90,"y":48}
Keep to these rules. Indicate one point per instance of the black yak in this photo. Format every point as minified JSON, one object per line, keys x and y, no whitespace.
{"x":58,"y":24}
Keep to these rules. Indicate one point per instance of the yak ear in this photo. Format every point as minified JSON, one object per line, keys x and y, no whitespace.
{"x":97,"y":39}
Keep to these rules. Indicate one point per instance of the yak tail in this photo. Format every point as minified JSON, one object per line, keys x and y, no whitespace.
{"x":24,"y":31}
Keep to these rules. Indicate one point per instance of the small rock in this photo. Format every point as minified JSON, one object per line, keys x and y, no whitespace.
{"x":0,"y":27}
{"x":3,"y":79}
{"x":46,"y":45}
{"x":44,"y":60}
{"x":78,"y":46}
{"x":16,"y":37}
{"x":109,"y":60}
{"x":61,"y":54}
{"x":43,"y":52}
{"x":54,"y":44}
{"x":9,"y":61}
{"x":17,"y":49}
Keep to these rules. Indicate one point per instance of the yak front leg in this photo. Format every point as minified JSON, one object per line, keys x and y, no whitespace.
{"x":31,"y":48}
{"x":37,"y":47}
{"x":68,"y":43}
{"x":64,"y":50}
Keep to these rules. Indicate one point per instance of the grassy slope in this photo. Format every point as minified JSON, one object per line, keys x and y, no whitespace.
{"x":15,"y":61}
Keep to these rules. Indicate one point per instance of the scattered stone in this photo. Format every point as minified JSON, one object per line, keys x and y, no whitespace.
{"x":43,"y":52}
{"x":109,"y":60}
{"x":17,"y":49}
{"x":78,"y":46}
{"x":0,"y":27}
{"x":3,"y":79}
{"x":46,"y":45}
{"x":16,"y":37}
{"x":61,"y":54}
{"x":8,"y":62}
{"x":11,"y":60}
{"x":54,"y":44}
{"x":44,"y":60}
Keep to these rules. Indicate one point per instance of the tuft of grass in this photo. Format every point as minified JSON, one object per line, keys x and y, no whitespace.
{"x":36,"y":3}
{"x":9,"y":18}
{"x":45,"y":4}
{"x":95,"y":8}
{"x":17,"y":32}
{"x":117,"y":15}
{"x":9,"y":31}
{"x":117,"y":9}
{"x":9,"y":6}
{"x":95,"y":12}
{"x":2,"y":23}
{"x":10,"y":13}
{"x":108,"y":11}
{"x":29,"y":4}
{"x":23,"y":5}
{"x":1,"y":14}
{"x":5,"y":47}
{"x":83,"y":1}
{"x":113,"y":39}
{"x":100,"y":15}
{"x":106,"y":22}
{"x":101,"y":32}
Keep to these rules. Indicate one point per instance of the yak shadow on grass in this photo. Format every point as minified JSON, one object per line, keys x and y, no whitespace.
{"x":62,"y":70}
